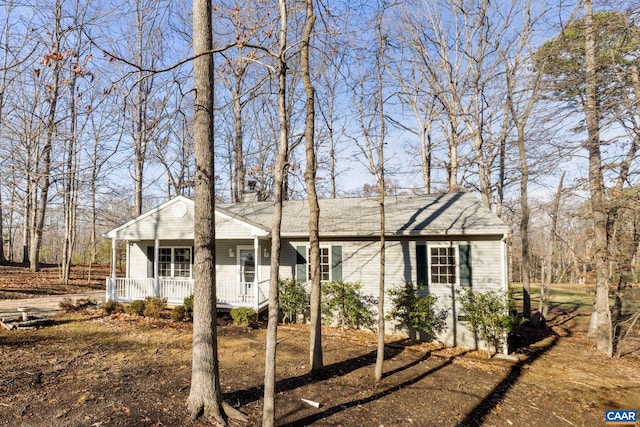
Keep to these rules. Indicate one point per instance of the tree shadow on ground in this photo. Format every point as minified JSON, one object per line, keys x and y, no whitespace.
{"x":379,"y":395}
{"x":477,"y":415}
{"x":243,"y":397}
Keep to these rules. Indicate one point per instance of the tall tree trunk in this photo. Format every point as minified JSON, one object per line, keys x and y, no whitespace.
{"x":205,"y":397}
{"x":70,"y":191}
{"x":426,"y":152}
{"x":2,"y":256}
{"x":452,"y":164}
{"x":382,"y":185}
{"x":269,"y":407}
{"x":524,"y":224}
{"x":381,"y":283}
{"x":238,"y":154}
{"x":45,"y":169}
{"x":315,"y":329}
{"x":332,"y":163}
{"x":141,"y":102}
{"x":545,"y":286}
{"x":26,"y":212}
{"x":95,"y":171}
{"x":601,"y":328}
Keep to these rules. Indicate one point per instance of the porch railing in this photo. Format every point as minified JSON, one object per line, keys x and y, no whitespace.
{"x":229,"y":295}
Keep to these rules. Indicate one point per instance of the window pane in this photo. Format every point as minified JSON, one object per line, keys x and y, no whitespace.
{"x":325,"y":266}
{"x":182,"y":255}
{"x":248,"y":267}
{"x":165,"y":254}
{"x":443,"y":265}
{"x":182,"y":262}
{"x":164,"y":262}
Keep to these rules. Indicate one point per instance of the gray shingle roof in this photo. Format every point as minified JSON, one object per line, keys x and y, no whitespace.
{"x":435,"y":214}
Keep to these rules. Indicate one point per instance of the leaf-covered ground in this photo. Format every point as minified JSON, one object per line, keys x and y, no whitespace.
{"x":18,"y":282}
{"x":91,"y":369}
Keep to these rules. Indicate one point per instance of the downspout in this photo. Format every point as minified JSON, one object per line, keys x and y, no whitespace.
{"x":505,"y":282}
{"x":503,"y":263}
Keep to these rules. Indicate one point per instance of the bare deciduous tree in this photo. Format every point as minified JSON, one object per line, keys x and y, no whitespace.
{"x":269,"y":408}
{"x":205,"y":397}
{"x":315,"y":328}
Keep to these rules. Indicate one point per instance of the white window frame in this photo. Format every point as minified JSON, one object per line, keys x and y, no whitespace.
{"x":330,"y":263}
{"x":456,"y":261}
{"x":173,"y":262}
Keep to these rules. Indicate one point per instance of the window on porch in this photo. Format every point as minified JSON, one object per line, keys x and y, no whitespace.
{"x":174,"y":262}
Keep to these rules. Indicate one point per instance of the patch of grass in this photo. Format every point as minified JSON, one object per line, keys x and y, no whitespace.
{"x":567,"y":299}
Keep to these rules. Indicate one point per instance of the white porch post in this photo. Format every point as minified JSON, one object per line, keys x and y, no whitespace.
{"x":256,"y":280}
{"x":156,"y":279}
{"x":111,"y":289}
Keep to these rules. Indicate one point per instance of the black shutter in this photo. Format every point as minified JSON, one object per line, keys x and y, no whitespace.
{"x":421,"y":264}
{"x":464,"y":252}
{"x":336,"y":263}
{"x":150,"y":258}
{"x":301,"y":264}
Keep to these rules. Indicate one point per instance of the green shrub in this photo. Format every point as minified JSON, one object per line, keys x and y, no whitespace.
{"x":135,"y":307}
{"x":154,"y":307}
{"x":243,"y":315}
{"x":415,"y":311}
{"x":111,"y":307}
{"x":188,"y":306}
{"x":488,"y":315}
{"x":294,"y":299}
{"x":179,"y":313}
{"x":345,"y":304}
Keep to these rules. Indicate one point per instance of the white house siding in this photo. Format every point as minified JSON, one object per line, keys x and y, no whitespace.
{"x":361,"y":263}
{"x":229,"y":229}
{"x":487,"y":274}
{"x":288,"y":256}
{"x":138,"y":259}
{"x":227,"y":266}
{"x":162,"y":224}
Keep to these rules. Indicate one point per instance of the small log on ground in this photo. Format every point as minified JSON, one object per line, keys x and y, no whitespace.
{"x":44,"y":321}
{"x":8,"y":326}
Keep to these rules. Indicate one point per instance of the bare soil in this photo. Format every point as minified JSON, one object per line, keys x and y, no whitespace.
{"x":92,"y":369}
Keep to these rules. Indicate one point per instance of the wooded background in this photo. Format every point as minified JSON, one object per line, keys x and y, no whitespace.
{"x":96,"y":109}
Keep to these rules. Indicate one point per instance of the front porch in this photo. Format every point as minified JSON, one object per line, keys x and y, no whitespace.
{"x":230,"y":295}
{"x":159,"y":253}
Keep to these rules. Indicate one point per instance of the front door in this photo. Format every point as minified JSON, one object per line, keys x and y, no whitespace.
{"x":247,"y":270}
